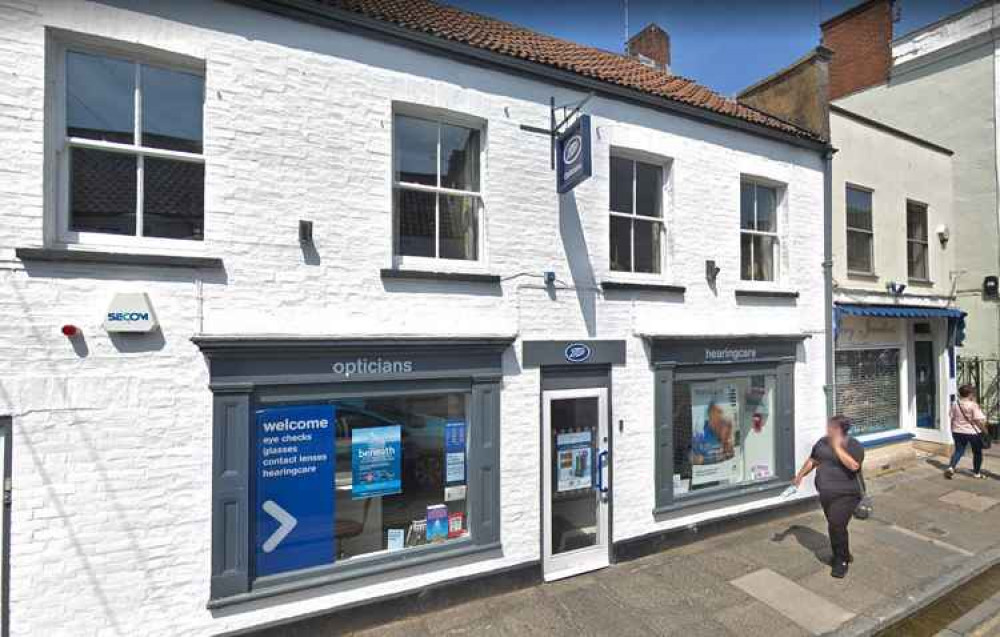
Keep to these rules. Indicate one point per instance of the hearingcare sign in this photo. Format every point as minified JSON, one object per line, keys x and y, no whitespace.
{"x":573,"y":158}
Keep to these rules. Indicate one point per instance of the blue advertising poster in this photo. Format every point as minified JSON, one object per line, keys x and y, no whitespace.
{"x":573,"y":160}
{"x":294,"y":504}
{"x":376,"y":458}
{"x":454,"y":452}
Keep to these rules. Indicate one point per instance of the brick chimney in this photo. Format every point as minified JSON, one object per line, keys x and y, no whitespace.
{"x":861,"y":41}
{"x":651,"y":46}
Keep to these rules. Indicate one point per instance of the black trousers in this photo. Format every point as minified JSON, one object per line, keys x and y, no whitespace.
{"x":839,"y":508}
{"x":972,"y":440}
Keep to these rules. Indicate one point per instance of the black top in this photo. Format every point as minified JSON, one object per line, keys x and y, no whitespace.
{"x":831,"y":475}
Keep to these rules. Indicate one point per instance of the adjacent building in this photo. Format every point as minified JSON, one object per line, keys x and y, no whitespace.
{"x":296,"y":317}
{"x":897,"y":316}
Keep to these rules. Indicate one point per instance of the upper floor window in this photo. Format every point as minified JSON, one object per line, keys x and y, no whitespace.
{"x":132,"y":161}
{"x":758,"y":231}
{"x":860,"y":233}
{"x":916,"y":241}
{"x":437,"y":196}
{"x":636,"y":216}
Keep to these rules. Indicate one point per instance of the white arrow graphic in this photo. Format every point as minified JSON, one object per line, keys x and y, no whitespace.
{"x":286,"y":521}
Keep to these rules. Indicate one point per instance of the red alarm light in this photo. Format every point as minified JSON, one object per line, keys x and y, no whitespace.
{"x":70,"y":330}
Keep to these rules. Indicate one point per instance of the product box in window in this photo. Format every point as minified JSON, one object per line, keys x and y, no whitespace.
{"x":437,"y":523}
{"x":456,"y":525}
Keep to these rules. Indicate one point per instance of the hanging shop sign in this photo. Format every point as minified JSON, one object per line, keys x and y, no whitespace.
{"x":130,"y":312}
{"x":376,"y":459}
{"x":573,"y":155}
{"x":295,"y":496}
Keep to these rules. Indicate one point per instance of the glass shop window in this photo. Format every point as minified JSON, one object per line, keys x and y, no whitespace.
{"x":724,"y":432}
{"x":388,"y":475}
{"x":867,"y":388}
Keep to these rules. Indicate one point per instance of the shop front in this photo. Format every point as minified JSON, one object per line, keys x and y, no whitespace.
{"x":725,"y":420}
{"x":344,"y":459}
{"x":894,"y":372}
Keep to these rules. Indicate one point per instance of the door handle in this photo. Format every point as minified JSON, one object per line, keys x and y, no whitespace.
{"x":601,"y":459}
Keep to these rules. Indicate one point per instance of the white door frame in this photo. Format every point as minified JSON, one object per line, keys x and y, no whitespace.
{"x":592,"y":557}
{"x":6,"y":455}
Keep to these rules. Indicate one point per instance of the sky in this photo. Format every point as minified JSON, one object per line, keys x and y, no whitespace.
{"x":726,"y":45}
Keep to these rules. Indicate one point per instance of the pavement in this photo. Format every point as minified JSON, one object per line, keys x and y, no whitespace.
{"x":927,"y":538}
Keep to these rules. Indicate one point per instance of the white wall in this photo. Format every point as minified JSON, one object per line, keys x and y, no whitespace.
{"x":895,"y":170}
{"x":112,"y":444}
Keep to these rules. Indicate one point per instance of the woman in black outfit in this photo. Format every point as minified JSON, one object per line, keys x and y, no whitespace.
{"x":837,"y":459}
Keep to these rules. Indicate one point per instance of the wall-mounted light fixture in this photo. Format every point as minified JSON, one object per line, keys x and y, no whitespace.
{"x":943,"y":234}
{"x":711,"y":271}
{"x":305,"y":231}
{"x":894,"y":288}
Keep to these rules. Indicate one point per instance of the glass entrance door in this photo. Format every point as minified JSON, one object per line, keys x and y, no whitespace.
{"x":925,"y":384}
{"x":576,"y":481}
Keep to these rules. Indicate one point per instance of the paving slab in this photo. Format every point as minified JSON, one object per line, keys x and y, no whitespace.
{"x":812,"y":612}
{"x":969,"y":500}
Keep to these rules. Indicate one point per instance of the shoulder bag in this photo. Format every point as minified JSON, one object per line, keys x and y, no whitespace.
{"x":984,"y":437}
{"x":865,"y":507}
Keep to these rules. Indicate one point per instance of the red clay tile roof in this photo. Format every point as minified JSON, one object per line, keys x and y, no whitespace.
{"x":505,"y":38}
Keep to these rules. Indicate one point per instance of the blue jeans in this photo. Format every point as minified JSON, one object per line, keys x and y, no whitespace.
{"x":961,"y":440}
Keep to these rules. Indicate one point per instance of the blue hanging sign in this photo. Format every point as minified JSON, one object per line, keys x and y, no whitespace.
{"x":294,"y":504}
{"x":573,"y":158}
{"x":376,"y":458}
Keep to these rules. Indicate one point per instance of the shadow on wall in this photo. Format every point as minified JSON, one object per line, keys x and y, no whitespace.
{"x":578,"y":257}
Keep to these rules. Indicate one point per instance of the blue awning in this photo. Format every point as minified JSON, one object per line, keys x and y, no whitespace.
{"x":899,"y":311}
{"x":956,"y":317}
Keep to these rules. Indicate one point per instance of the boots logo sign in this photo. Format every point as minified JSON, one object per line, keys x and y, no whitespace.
{"x":130,"y":312}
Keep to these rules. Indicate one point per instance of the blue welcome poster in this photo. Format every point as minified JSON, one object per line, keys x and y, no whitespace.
{"x":294,"y":503}
{"x":376,"y":459}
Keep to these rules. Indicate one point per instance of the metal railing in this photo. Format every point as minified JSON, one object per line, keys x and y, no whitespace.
{"x":984,"y":373}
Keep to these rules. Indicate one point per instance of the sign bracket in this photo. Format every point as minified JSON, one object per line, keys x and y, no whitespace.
{"x":554,"y":128}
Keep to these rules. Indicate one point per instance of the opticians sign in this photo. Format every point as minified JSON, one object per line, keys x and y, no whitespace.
{"x":573,"y":156}
{"x":130,"y":312}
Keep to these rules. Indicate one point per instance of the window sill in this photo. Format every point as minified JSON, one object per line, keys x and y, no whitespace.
{"x":920,"y":283}
{"x":763,"y":293}
{"x":642,"y":286}
{"x":65,"y":255}
{"x":400,"y":562}
{"x":866,"y":276}
{"x":727,"y":496}
{"x":440,"y":275}
{"x":882,"y":438}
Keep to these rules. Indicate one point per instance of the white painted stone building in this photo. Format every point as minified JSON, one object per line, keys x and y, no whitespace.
{"x":141,"y":502}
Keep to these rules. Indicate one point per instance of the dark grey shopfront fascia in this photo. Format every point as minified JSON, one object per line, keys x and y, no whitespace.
{"x":755,"y":376}
{"x":248,"y":374}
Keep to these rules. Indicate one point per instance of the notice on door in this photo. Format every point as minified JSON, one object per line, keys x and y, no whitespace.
{"x":294,"y":504}
{"x":574,"y":457}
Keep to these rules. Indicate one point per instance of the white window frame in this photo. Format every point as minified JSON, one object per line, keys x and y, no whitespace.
{"x":849,"y":229}
{"x":664,"y":167}
{"x":58,"y":225}
{"x":439,"y":116}
{"x":779,"y":200}
{"x":926,"y":242}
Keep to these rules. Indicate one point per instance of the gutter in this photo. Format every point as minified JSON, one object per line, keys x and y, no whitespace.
{"x":331,"y":17}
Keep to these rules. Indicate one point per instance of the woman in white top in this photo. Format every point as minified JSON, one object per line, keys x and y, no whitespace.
{"x":967,"y":422}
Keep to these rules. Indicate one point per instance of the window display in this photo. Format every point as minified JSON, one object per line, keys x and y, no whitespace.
{"x":724,"y":432}
{"x":393,"y":469}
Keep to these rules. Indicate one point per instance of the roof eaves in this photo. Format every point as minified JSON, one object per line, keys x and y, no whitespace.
{"x":334,"y":17}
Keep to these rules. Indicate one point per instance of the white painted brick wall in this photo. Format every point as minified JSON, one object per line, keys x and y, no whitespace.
{"x":110,"y":531}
